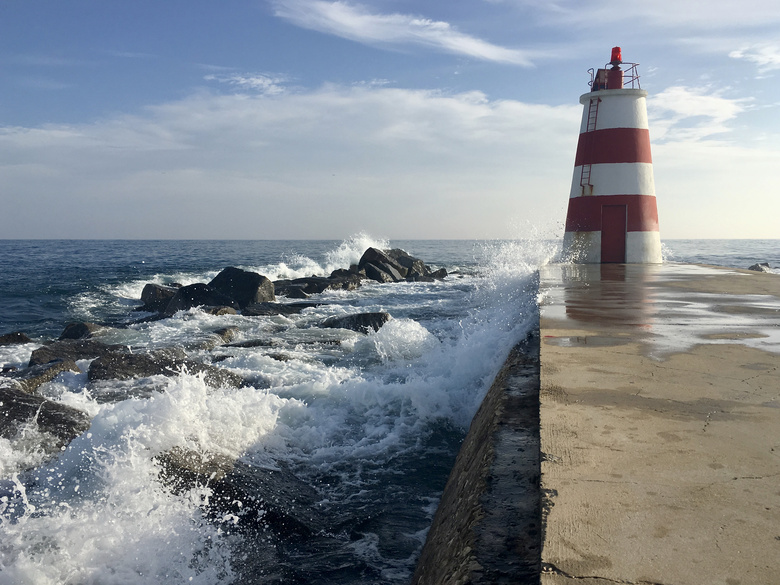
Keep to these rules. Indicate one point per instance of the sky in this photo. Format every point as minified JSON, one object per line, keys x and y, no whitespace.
{"x":320,"y":119}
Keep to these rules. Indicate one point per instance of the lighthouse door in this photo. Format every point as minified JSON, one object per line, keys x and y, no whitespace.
{"x":613,"y":233}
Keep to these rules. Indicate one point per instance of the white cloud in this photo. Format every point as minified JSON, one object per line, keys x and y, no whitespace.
{"x":691,"y":113}
{"x":358,"y":23}
{"x":686,"y":15}
{"x":327,"y":163}
{"x":261,"y":83}
{"x":318,"y":164}
{"x":766,"y":56}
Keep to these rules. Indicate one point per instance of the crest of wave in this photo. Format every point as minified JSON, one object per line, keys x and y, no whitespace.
{"x":350,"y":251}
{"x":99,"y":514}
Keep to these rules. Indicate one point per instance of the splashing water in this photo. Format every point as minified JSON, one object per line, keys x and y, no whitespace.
{"x":371,"y":423}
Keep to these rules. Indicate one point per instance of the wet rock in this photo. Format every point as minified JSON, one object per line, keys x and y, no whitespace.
{"x":227,"y":334}
{"x":270,"y":309}
{"x":155,"y":297}
{"x":395,"y":265}
{"x":255,"y":498}
{"x":762,"y":267}
{"x":31,"y":378}
{"x":244,"y":287}
{"x":15,"y":338}
{"x":81,"y":330}
{"x":20,"y":408}
{"x":361,"y":322}
{"x":414,"y":266}
{"x":253,"y":343}
{"x":80,"y":349}
{"x":295,"y":291}
{"x":198,"y":295}
{"x":374,"y":260}
{"x":219,"y":311}
{"x":312,"y":285}
{"x":125,"y":366}
{"x":382,"y":272}
{"x":163,"y":362}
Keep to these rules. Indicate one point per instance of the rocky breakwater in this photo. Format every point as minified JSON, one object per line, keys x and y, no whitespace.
{"x":81,"y":349}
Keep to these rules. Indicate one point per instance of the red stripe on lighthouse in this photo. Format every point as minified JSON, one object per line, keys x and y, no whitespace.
{"x":584,"y":213}
{"x":614,"y":145}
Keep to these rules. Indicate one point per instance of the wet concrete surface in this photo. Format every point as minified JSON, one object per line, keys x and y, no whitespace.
{"x":660,"y":424}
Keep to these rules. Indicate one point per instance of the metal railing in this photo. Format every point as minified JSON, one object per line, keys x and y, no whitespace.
{"x":630,"y":77}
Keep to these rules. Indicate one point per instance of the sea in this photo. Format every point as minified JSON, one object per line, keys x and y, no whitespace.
{"x":370,"y":424}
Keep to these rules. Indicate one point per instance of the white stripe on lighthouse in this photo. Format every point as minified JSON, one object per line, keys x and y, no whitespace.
{"x":627,"y":109}
{"x":616,"y":179}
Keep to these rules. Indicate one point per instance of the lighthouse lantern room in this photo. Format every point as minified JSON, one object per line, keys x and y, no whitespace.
{"x":612,"y":215}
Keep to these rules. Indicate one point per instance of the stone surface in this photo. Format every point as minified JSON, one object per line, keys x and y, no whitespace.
{"x":197,"y":295}
{"x":81,"y":349}
{"x":61,"y":422}
{"x":80,"y":330}
{"x":31,"y":378}
{"x":270,"y":309}
{"x":15,"y":338}
{"x":243,"y":286}
{"x":660,"y":425}
{"x":361,"y":322}
{"x":487,"y":527}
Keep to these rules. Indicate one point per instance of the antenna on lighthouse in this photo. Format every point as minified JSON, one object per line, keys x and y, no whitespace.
{"x":612,"y":215}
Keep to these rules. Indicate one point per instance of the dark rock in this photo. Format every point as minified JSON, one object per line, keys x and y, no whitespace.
{"x":219,"y":310}
{"x":197,"y":295}
{"x":381,"y":273}
{"x":360,"y":322}
{"x":253,"y":343}
{"x":155,"y":297}
{"x":15,"y":338}
{"x":124,"y":366}
{"x":19,"y":408}
{"x":82,"y":330}
{"x":163,"y":362}
{"x":295,"y":291}
{"x":270,"y":309}
{"x":381,"y":259}
{"x":439,"y":274}
{"x":244,"y":287}
{"x":29,"y":379}
{"x":414,"y":266}
{"x":262,"y":499}
{"x":82,"y":349}
{"x":312,"y":285}
{"x":762,"y":267}
{"x":227,"y":334}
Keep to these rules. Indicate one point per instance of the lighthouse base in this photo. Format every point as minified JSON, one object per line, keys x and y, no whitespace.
{"x":588,"y":248}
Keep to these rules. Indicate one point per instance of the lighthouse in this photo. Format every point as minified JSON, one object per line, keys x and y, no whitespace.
{"x":612,"y":215}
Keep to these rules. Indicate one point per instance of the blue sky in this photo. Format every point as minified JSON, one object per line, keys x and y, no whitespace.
{"x":321,"y":119}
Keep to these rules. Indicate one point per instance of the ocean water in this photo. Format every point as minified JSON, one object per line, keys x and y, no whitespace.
{"x":367,"y":426}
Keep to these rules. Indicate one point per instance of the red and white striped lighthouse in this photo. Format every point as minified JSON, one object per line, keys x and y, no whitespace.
{"x":612,"y":214}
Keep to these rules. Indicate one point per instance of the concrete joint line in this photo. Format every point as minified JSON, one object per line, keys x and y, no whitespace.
{"x":551,"y":569}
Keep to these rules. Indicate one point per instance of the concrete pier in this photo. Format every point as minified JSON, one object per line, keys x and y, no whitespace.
{"x":660,"y":425}
{"x":658,"y":438}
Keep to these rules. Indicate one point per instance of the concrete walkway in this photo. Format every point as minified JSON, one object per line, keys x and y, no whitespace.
{"x":660,"y":425}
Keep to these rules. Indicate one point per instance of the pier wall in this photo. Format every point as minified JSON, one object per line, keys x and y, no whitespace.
{"x":634,"y":438}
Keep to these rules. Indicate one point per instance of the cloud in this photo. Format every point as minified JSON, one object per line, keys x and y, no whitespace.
{"x":357,"y":23}
{"x":766,"y":56}
{"x":312,"y":164}
{"x":329,"y":162}
{"x":690,"y":113}
{"x":688,"y":16}
{"x":261,"y":83}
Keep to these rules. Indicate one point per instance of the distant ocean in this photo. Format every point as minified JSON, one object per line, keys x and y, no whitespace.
{"x":371,"y":423}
